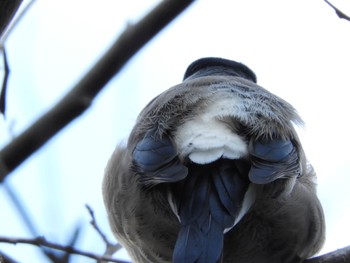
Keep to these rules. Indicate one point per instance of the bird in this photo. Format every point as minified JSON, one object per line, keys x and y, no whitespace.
{"x":213,"y":171}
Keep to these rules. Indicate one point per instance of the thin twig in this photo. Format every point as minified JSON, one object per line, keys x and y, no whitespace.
{"x":41,"y":241}
{"x":111,"y":248}
{"x":24,"y":214}
{"x":82,"y":95}
{"x":19,"y":206}
{"x":10,"y":25}
{"x":94,"y":224}
{"x":4,"y":81}
{"x":338,"y":256}
{"x":339,"y":13}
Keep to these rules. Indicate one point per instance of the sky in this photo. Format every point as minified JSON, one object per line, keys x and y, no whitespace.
{"x":298,"y":49}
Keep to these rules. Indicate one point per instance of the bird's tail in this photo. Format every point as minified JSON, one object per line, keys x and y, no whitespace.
{"x":207,"y":203}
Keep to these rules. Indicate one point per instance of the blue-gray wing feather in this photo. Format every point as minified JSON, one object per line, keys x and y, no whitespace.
{"x":272,"y":159}
{"x":157,"y":161}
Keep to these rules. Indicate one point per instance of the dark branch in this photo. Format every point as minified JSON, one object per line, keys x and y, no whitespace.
{"x":41,"y":241}
{"x":81,"y":96}
{"x":4,"y":81}
{"x":338,"y":256}
{"x":339,"y":13}
{"x":94,"y":224}
{"x":6,"y":259}
{"x":29,"y":224}
{"x":8,"y":9}
{"x":18,"y":205}
{"x":15,"y":22}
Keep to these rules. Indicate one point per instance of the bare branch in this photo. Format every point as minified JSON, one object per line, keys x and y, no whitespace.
{"x":339,"y":13}
{"x":11,"y":26}
{"x":41,"y":241}
{"x":8,"y":9}
{"x":338,"y":256}
{"x":4,"y":81}
{"x":94,"y":224}
{"x":29,"y":224}
{"x":6,"y":259}
{"x":18,"y":205}
{"x":81,"y":96}
{"x":111,"y":248}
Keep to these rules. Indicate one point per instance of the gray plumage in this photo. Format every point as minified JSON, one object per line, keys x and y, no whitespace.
{"x":213,"y":171}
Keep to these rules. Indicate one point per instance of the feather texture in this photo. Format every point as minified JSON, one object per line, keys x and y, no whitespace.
{"x":214,"y":172}
{"x":157,"y":160}
{"x":208,"y":202}
{"x":273,"y":159}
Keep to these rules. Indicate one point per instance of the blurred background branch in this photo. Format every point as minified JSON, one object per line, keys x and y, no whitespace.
{"x":42,"y":242}
{"x":3,"y":87}
{"x":111,"y":247}
{"x":8,"y":9}
{"x":338,"y":256}
{"x":339,"y":13}
{"x":81,"y":96}
{"x":6,"y":259}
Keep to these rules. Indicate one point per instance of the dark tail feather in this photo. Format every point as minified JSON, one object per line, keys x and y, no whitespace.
{"x":202,"y":245}
{"x":207,"y":203}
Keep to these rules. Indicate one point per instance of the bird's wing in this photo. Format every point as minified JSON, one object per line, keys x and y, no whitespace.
{"x":272,"y":159}
{"x":156,"y":160}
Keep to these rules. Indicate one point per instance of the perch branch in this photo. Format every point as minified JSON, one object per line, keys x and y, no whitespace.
{"x":42,"y":242}
{"x":82,"y":95}
{"x":338,"y":256}
{"x":339,"y":13}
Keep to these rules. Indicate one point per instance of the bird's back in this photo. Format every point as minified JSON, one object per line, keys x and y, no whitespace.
{"x":214,"y":172}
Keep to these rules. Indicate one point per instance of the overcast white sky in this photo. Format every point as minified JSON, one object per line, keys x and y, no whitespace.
{"x":298,"y":49}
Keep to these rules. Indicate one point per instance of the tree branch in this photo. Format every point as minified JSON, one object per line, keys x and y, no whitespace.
{"x":6,"y":259}
{"x":41,"y":241}
{"x":111,"y":248}
{"x":81,"y":96}
{"x":8,"y":9}
{"x":4,"y":81}
{"x":339,"y":13}
{"x":338,"y":256}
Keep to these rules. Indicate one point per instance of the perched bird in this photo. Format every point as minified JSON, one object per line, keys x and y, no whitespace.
{"x":214,"y":171}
